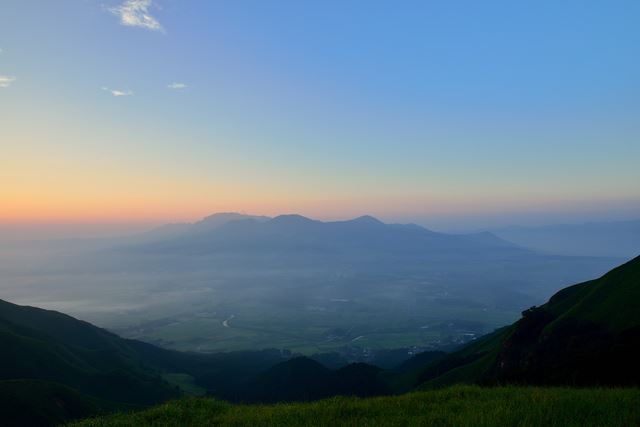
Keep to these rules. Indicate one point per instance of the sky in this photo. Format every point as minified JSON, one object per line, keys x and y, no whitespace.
{"x":451,"y":113}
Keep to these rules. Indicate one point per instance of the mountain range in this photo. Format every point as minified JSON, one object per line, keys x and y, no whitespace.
{"x":237,"y":232}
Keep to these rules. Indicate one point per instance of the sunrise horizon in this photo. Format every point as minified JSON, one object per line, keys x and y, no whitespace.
{"x":138,"y":121}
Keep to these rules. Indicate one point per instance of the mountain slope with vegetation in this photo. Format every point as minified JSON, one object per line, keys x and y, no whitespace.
{"x":587,"y":334}
{"x":49,"y":345}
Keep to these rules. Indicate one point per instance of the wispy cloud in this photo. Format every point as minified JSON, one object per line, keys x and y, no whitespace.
{"x":5,"y":81}
{"x":135,"y":13}
{"x":117,"y":92}
{"x":177,"y":86}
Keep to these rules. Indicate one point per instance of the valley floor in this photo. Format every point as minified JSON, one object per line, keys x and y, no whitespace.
{"x":455,"y":406}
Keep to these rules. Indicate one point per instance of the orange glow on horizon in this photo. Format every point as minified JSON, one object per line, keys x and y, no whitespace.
{"x":58,"y":210}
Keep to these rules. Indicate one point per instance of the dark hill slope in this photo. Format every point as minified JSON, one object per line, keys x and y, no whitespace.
{"x":47,"y":345}
{"x":109,"y":374}
{"x":587,"y":334}
{"x":60,"y":327}
{"x":60,"y":360}
{"x":304,"y":379}
{"x":40,"y":403}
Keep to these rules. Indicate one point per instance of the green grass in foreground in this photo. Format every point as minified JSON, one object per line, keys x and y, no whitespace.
{"x":455,"y":406}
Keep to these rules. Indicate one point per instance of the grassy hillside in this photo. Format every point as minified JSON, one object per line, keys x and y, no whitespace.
{"x":587,"y":334}
{"x":612,"y":301}
{"x":456,"y":406}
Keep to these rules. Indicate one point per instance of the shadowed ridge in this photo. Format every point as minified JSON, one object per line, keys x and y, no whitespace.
{"x":366,"y":219}
{"x":60,"y":326}
{"x":302,"y":378}
{"x":44,"y":345}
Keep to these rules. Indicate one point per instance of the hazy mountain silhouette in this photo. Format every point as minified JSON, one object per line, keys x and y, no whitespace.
{"x":298,"y":262}
{"x":208,"y":223}
{"x":298,"y":233}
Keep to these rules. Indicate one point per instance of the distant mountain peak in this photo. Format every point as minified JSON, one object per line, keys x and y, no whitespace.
{"x":223,"y":215}
{"x":229,"y":216}
{"x":292,"y":219}
{"x":367,"y":219}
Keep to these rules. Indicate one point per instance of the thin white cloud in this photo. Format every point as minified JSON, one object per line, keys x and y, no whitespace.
{"x":121,"y":93}
{"x":177,"y":86}
{"x":5,"y":81}
{"x":135,"y":13}
{"x":117,"y":92}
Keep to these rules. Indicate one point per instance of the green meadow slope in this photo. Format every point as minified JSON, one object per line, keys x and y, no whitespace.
{"x":586,"y":335}
{"x":455,"y":406}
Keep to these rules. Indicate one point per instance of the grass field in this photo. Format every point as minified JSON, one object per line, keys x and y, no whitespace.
{"x":455,"y":406}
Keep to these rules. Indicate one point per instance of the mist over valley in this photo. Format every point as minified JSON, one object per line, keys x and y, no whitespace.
{"x":240,"y":282}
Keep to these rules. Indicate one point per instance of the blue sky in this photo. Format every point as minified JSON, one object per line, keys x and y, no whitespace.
{"x":414,"y":109}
